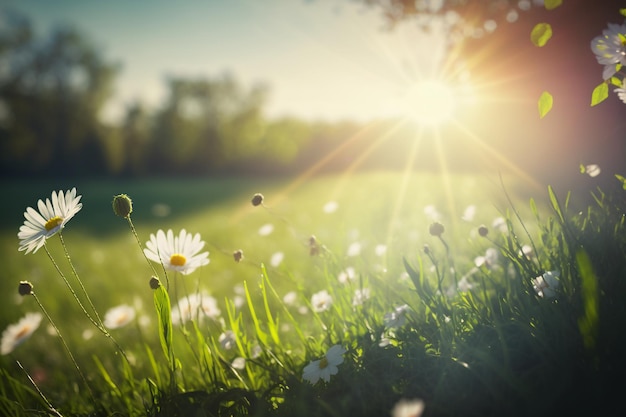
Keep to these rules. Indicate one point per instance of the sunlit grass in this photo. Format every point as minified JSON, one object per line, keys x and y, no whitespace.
{"x":362,"y":239}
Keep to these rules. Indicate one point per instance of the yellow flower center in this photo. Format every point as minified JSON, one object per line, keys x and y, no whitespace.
{"x":53,"y":222}
{"x":323,"y":363}
{"x":178,"y":260}
{"x":22,"y":333}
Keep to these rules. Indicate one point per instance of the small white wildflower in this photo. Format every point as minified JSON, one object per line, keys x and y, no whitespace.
{"x":325,"y":367}
{"x":610,"y":49}
{"x":290,"y":298}
{"x":469,"y":213}
{"x":330,"y":207}
{"x":464,"y":285}
{"x":119,"y":316}
{"x":227,"y":339}
{"x":239,"y":363}
{"x":321,"y":301}
{"x":408,"y":408}
{"x":266,"y":229}
{"x":499,"y":223}
{"x":545,"y":285}
{"x":360,"y":296}
{"x":396,"y":318}
{"x":277,"y":259}
{"x":348,"y":274}
{"x":16,"y":334}
{"x":195,"y":306}
{"x":354,"y":249}
{"x":621,"y":91}
{"x":593,"y":170}
{"x":432,"y":213}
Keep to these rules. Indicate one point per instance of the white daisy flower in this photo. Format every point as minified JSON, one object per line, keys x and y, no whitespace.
{"x":277,"y":259}
{"x":15,"y":334}
{"x":325,"y":367}
{"x":177,"y":253}
{"x":290,"y":298}
{"x":396,"y":318}
{"x":321,"y":301}
{"x":408,"y":408}
{"x":621,"y":91}
{"x":347,"y":275}
{"x":354,"y":249}
{"x":593,"y":170}
{"x":469,"y":213}
{"x":464,"y":285}
{"x":195,"y":306}
{"x":227,"y":339}
{"x":361,"y":295}
{"x":119,"y":316}
{"x":499,"y":223}
{"x":266,"y":229}
{"x":610,"y":48}
{"x":50,"y":219}
{"x":545,"y":285}
{"x":239,"y":363}
{"x":490,"y":259}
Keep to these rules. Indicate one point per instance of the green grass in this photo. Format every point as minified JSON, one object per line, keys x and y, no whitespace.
{"x":497,"y":349}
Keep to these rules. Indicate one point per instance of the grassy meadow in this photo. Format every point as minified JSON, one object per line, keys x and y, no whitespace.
{"x":450,"y":319}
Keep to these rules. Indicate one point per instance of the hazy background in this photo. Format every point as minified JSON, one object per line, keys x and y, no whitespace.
{"x":135,"y":89}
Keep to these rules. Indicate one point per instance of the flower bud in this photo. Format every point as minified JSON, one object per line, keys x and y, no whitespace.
{"x":154,"y":283}
{"x":25,"y":288}
{"x":257,"y":199}
{"x":122,"y":205}
{"x":238,"y":255}
{"x":426,"y":249}
{"x":482,"y":230}
{"x":436,"y":229}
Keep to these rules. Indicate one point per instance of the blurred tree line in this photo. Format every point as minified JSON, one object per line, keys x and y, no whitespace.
{"x":53,"y":91}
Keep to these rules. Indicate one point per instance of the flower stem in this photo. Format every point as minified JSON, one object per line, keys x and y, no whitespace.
{"x":80,"y":282}
{"x":67,"y":349}
{"x":51,"y":409}
{"x":99,"y":326}
{"x":132,"y":228}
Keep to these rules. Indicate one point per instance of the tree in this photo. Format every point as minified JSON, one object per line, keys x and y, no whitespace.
{"x":207,"y":125}
{"x":51,"y":91}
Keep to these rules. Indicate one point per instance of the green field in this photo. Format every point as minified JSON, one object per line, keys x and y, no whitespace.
{"x":379,"y":219}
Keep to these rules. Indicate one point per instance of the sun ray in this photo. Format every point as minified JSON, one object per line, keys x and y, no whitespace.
{"x":364,"y":154}
{"x":312,"y":170}
{"x":406,"y":175}
{"x":445,"y":179}
{"x":519,"y":172}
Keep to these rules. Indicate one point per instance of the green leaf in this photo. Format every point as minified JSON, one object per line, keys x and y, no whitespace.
{"x":552,"y":4}
{"x":541,"y":34}
{"x":164,"y":314}
{"x":616,"y":81}
{"x":599,"y":94}
{"x":588,"y":323}
{"x":621,"y":179}
{"x":622,"y":12}
{"x":261,"y":334}
{"x":272,"y":325}
{"x":555,"y":204}
{"x":545,"y":104}
{"x":582,"y":169}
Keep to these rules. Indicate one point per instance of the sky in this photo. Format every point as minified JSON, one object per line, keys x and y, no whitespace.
{"x":322,"y":59}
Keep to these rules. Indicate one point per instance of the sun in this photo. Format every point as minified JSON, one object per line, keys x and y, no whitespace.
{"x":429,"y":102}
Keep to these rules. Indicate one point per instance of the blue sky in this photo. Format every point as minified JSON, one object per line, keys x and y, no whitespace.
{"x":327,"y":59}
